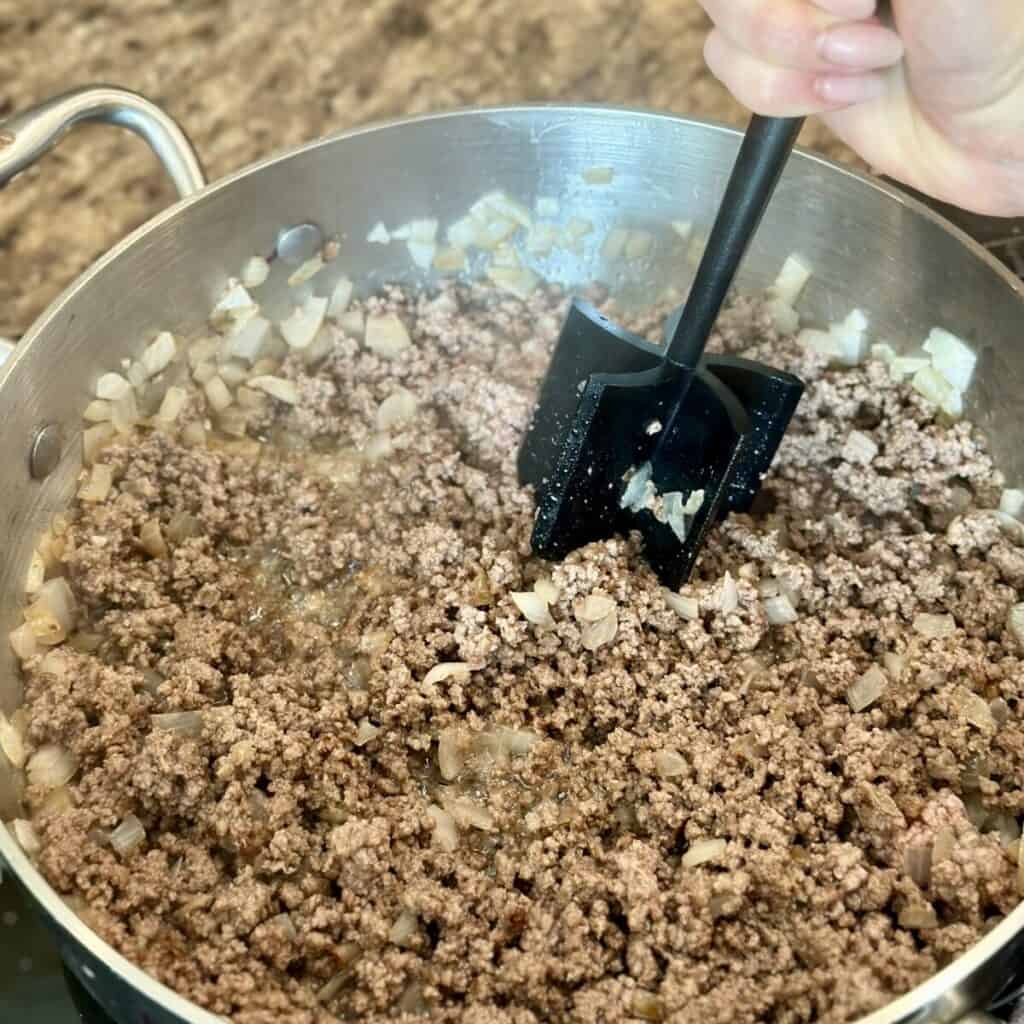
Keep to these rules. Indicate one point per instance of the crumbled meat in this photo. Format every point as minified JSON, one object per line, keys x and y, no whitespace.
{"x":318,"y":589}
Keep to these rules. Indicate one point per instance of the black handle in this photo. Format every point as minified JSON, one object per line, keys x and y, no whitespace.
{"x":765,"y":150}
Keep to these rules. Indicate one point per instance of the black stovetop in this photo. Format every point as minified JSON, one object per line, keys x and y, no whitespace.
{"x":33,"y":982}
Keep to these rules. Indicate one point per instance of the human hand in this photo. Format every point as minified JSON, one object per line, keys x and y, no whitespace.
{"x":937,"y":103}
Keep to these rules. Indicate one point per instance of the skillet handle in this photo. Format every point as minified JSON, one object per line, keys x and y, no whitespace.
{"x":29,"y":135}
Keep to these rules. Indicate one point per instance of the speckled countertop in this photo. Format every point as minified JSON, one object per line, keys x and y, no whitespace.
{"x":249,"y":77}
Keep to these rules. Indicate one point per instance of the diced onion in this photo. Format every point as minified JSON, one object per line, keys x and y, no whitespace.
{"x":51,"y":766}
{"x":193,"y":435}
{"x":300,"y":328}
{"x":544,"y":588}
{"x":277,"y":387}
{"x":12,"y":742}
{"x":353,"y":323}
{"x":534,"y":608}
{"x":255,"y":272}
{"x":1011,"y":502}
{"x":951,"y":357}
{"x":450,"y":259}
{"x":386,"y":335}
{"x":234,"y":306}
{"x":97,"y":487}
{"x":669,"y":764}
{"x":52,"y":614}
{"x":519,"y":281}
{"x":543,"y":237}
{"x":686,"y":607}
{"x":866,"y":689}
{"x":341,"y":296}
{"x":174,"y":401}
{"x":791,"y":281}
{"x":902,"y":367}
{"x":379,"y":234}
{"x":93,"y":439}
{"x":217,"y":394}
{"x":97,"y":411}
{"x":112,"y":386}
{"x":247,"y":343}
{"x":233,"y":373}
{"x":683,"y":228}
{"x":159,"y":354}
{"x":27,"y":837}
{"x":597,"y":634}
{"x":639,"y":490}
{"x":457,"y":670}
{"x":728,"y":597}
{"x":779,"y":611}
{"x":396,"y":409}
{"x":934,"y":627}
{"x":128,"y":836}
{"x":124,"y":413}
{"x":36,"y":574}
{"x":445,"y":833}
{"x":469,"y":814}
{"x":23,"y":642}
{"x":184,"y":723}
{"x":366,"y":732}
{"x":310,"y":268}
{"x":917,"y":917}
{"x":703,"y":851}
{"x":933,"y":386}
{"x":859,"y":448}
{"x":594,"y":607}
{"x":404,"y":930}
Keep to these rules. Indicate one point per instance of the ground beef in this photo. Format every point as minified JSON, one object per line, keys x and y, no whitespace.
{"x":313,"y":856}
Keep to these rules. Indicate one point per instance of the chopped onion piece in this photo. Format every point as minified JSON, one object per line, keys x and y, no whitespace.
{"x":866,"y":689}
{"x":112,"y":386}
{"x":233,"y":373}
{"x":277,"y":387}
{"x":159,"y":354}
{"x":183,"y":526}
{"x":598,"y":175}
{"x":386,"y":335}
{"x":128,"y":836}
{"x":36,"y":574}
{"x":51,"y":766}
{"x":614,"y":245}
{"x":1015,"y":622}
{"x":784,"y":317}
{"x":23,"y":642}
{"x":974,"y":709}
{"x":902,"y":367}
{"x":97,"y":411}
{"x":729,"y":597}
{"x":247,"y":342}
{"x":27,"y":837}
{"x":895,"y":665}
{"x":595,"y":607}
{"x":883,"y":352}
{"x":852,"y":336}
{"x":152,"y":539}
{"x":463,"y":233}
{"x":543,"y":237}
{"x":534,"y":608}
{"x":498,"y":204}
{"x":686,"y":607}
{"x":669,"y":764}
{"x":174,"y":401}
{"x":97,"y":487}
{"x":597,"y":634}
{"x":457,"y":670}
{"x":217,"y":394}
{"x":934,"y":627}
{"x":445,"y":833}
{"x":235,"y":306}
{"x":1011,"y":503}
{"x":702,"y":851}
{"x":423,"y":230}
{"x":934,"y":387}
{"x":341,"y":296}
{"x":203,"y":372}
{"x":791,"y":280}
{"x":519,"y":281}
{"x":450,"y":751}
{"x":52,"y":614}
{"x":822,"y":342}
{"x":12,"y":743}
{"x":255,"y":272}
{"x":450,"y":259}
{"x":184,"y":723}
{"x":396,"y":409}
{"x":404,"y":930}
{"x":647,"y":1006}
{"x":304,"y":271}
{"x":299,"y":328}
{"x":366,"y":732}
{"x":546,"y":206}
{"x":352,"y":323}
{"x":639,"y":489}
{"x":952,"y":358}
{"x":377,"y":447}
{"x":136,"y":374}
{"x":469,"y":814}
{"x":379,"y":234}
{"x":545,"y":589}
{"x":124,"y":413}
{"x":193,"y":435}
{"x":779,"y":611}
{"x":683,"y":228}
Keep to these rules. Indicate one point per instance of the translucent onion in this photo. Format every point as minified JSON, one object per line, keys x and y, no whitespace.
{"x":159,"y":354}
{"x":686,"y":607}
{"x":404,"y":930}
{"x":93,"y":439}
{"x":594,"y":607}
{"x":128,"y":836}
{"x":234,"y":306}
{"x":23,"y":642}
{"x":396,"y":409}
{"x":468,"y":813}
{"x":865,"y":690}
{"x":36,"y":574}
{"x":457,"y":670}
{"x":450,"y":753}
{"x":366,"y":732}
{"x":124,"y":413}
{"x":112,"y":386}
{"x":779,"y":611}
{"x":1015,"y":622}
{"x":300,"y":328}
{"x":185,"y":723}
{"x":174,"y":401}
{"x":97,"y":411}
{"x":533,"y":608}
{"x":51,"y":766}
{"x":386,"y":335}
{"x":306,"y":270}
{"x":703,"y":851}
{"x":98,"y":484}
{"x":729,"y":596}
{"x":12,"y":741}
{"x":27,"y":837}
{"x":255,"y":271}
{"x":917,"y":863}
{"x":445,"y":835}
{"x":669,"y":764}
{"x":249,"y":340}
{"x":934,"y":627}
{"x":791,"y":281}
{"x":277,"y":387}
{"x":595,"y":635}
{"x":951,"y":357}
{"x":51,"y":615}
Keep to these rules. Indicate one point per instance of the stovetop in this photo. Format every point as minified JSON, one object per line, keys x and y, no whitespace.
{"x":34,"y":984}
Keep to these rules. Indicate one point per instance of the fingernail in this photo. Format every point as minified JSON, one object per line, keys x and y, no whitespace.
{"x":846,"y":90}
{"x":853,"y":9}
{"x":865,"y":45}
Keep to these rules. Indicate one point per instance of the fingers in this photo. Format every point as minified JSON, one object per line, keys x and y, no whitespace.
{"x":777,"y":91}
{"x":822,"y":36}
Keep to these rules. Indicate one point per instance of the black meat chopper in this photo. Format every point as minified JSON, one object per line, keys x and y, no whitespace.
{"x":629,"y":435}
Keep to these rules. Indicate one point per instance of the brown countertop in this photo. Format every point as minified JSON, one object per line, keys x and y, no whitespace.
{"x":249,"y":77}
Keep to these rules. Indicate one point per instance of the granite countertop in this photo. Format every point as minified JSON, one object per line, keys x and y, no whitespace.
{"x":249,"y":77}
